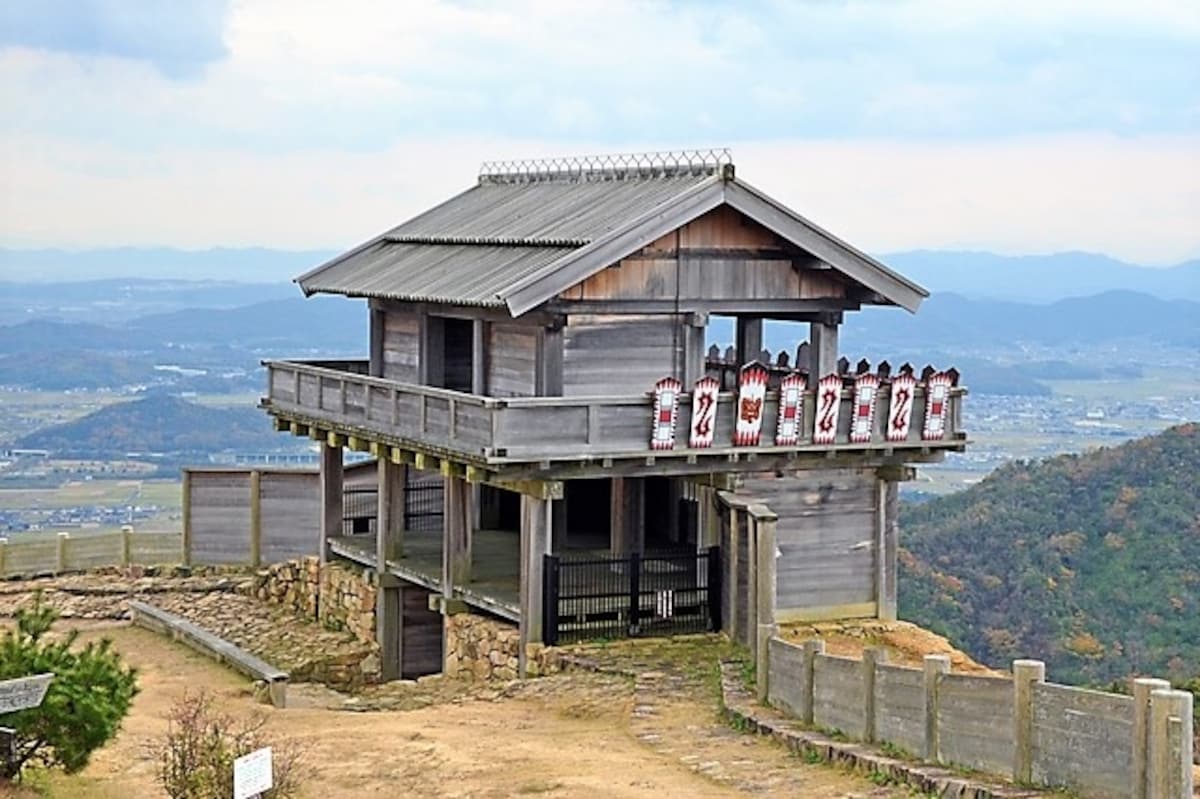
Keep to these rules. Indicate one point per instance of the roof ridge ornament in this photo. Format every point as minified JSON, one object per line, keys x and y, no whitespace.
{"x":619,"y":166}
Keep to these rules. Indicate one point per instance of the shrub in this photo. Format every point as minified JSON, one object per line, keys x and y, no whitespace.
{"x":84,"y":705}
{"x":196,"y":759}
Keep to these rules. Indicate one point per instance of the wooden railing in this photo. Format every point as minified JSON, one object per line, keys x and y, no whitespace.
{"x":492,"y":430}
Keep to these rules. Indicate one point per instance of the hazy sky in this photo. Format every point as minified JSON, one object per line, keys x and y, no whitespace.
{"x":1016,"y":125}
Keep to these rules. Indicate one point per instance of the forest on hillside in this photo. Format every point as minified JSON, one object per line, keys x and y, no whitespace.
{"x":1090,"y":562}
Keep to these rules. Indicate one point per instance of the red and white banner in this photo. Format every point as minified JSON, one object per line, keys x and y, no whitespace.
{"x":752,"y":391}
{"x":901,"y":407}
{"x":866,"y":389}
{"x":937,"y":402}
{"x":829,"y":402}
{"x":666,"y":413}
{"x":791,"y":411}
{"x":704,"y":412}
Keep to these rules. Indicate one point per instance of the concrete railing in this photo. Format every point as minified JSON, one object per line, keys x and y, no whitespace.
{"x":1037,"y":733}
{"x":49,"y":553}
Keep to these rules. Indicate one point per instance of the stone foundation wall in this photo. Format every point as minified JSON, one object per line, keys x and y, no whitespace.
{"x":479,"y":648}
{"x":338,"y":597}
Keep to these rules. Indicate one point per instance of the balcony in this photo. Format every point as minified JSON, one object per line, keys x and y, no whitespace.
{"x":545,"y":433}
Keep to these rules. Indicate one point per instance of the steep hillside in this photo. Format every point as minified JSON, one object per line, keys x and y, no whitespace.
{"x":1090,"y":562}
{"x":158,"y":424}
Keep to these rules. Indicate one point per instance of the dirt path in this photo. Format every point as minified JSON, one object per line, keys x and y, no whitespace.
{"x":577,"y":735}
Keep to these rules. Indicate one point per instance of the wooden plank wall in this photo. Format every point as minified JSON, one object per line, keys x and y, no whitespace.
{"x":291,"y":509}
{"x":220,"y":517}
{"x":511,"y":359}
{"x":613,"y":355}
{"x":826,"y":537}
{"x":401,"y":343}
{"x":759,"y":265}
{"x":420,"y":635}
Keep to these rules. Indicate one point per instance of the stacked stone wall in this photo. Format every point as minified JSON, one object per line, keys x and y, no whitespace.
{"x":482,"y":648}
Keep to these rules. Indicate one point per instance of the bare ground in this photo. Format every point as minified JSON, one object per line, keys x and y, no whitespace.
{"x":575,"y":735}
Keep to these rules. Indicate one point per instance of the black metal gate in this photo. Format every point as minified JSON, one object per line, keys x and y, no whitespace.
{"x":637,"y":595}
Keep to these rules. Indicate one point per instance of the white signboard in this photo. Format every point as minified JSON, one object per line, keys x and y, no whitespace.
{"x":23,"y":692}
{"x":252,"y":774}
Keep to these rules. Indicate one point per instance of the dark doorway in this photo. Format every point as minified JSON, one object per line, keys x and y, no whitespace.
{"x":458,"y":337}
{"x":589,"y":510}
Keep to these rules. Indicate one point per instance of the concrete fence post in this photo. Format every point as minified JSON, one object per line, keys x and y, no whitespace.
{"x":934,"y":667}
{"x":1025,"y":674}
{"x":811,"y":648}
{"x":1142,"y":688}
{"x":60,"y":552}
{"x":872,"y":656}
{"x":1170,"y":745}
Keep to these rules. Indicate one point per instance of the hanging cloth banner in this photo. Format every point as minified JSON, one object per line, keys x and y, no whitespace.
{"x":901,"y":407}
{"x":937,"y":396}
{"x":791,"y":411}
{"x":829,"y":402}
{"x":752,"y":391}
{"x":666,"y":413}
{"x":866,"y":389}
{"x":704,"y":412}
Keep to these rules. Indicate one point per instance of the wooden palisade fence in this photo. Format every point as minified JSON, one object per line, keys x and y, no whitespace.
{"x":63,"y":552}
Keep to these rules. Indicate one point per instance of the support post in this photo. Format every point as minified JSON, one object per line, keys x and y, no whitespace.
{"x":627,"y":517}
{"x":749,"y":338}
{"x":536,"y":533}
{"x":558,"y":507}
{"x":60,"y":552}
{"x":823,"y":350}
{"x":331,"y":498}
{"x":478,"y":356}
{"x":885,"y":550}
{"x":693,"y":348}
{"x":255,"y":518}
{"x":3,"y":557}
{"x":934,"y":667}
{"x":392,"y":482}
{"x":378,"y":331}
{"x":731,"y":560}
{"x":1142,"y":688}
{"x":1171,"y":728}
{"x":872,"y":656}
{"x":387,"y":625}
{"x":126,"y":548}
{"x":457,"y":516}
{"x":186,"y":511}
{"x":811,"y":649}
{"x":1025,"y":674}
{"x":764,"y":591}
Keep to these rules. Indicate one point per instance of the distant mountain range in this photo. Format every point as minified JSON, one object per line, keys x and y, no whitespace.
{"x":1030,"y":278}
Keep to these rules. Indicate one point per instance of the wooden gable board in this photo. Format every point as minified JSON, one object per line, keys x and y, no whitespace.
{"x":578,"y":266}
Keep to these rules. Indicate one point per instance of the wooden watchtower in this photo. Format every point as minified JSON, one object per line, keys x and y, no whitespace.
{"x":538,"y":343}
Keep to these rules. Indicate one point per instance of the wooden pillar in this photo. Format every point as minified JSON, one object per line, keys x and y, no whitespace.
{"x":478,"y":356}
{"x":749,"y":338}
{"x":378,"y":330}
{"x":457,"y":519}
{"x":389,"y":516}
{"x":823,"y":352}
{"x":331,"y":470}
{"x":558,"y":510}
{"x":549,"y":353}
{"x":1025,"y":674}
{"x":627,"y":522}
{"x":387,"y":625}
{"x":764,"y":591}
{"x":186,"y":511}
{"x":536,"y":533}
{"x":694,"y":328}
{"x":887,"y":528}
{"x":255,"y":518}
